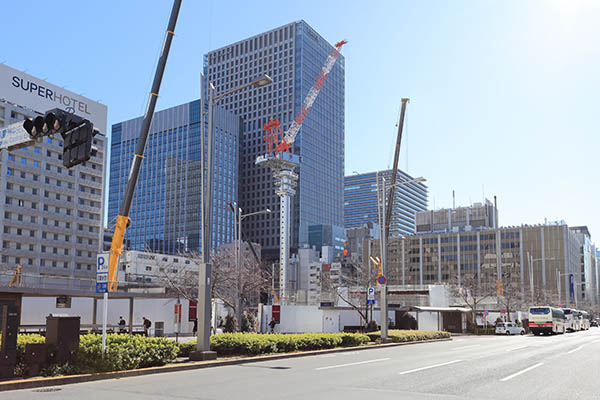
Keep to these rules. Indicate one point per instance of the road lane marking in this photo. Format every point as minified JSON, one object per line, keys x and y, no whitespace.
{"x":349,"y":364}
{"x":517,"y":348}
{"x":429,"y":367}
{"x":596,"y":341}
{"x":521,"y":372}
{"x":466,"y":347}
{"x":575,"y":349}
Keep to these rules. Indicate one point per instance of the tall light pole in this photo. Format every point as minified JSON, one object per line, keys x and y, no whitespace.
{"x":383,"y":245}
{"x":531,"y":263}
{"x":205,"y":268}
{"x":239,"y":217}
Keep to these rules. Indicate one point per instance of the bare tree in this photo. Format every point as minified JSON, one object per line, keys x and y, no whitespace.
{"x":253,"y":278}
{"x":471,"y":293}
{"x":349,"y":281}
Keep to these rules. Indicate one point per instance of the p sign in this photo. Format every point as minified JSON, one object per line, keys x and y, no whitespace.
{"x":102,"y":264}
{"x":102,"y":273}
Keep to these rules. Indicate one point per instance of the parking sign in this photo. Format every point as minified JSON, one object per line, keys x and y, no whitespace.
{"x":102,"y":273}
{"x":371,"y":295}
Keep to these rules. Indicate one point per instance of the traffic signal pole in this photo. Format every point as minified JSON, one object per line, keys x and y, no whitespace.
{"x":116,"y":246}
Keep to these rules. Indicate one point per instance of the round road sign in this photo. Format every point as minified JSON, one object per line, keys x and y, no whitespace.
{"x":381,"y":280}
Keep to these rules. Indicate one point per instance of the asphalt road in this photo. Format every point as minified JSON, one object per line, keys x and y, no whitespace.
{"x":468,"y":367}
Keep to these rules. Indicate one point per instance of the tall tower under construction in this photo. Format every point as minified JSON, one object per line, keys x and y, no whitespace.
{"x":292,"y":56}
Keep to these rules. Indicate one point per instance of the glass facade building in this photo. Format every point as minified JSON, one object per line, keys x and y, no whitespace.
{"x":292,"y":55}
{"x":165,"y":211}
{"x":360,"y":201}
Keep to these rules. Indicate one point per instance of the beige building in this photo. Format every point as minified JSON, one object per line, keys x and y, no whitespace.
{"x":536,"y":262}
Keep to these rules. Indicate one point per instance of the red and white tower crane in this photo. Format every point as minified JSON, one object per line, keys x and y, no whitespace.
{"x":283,"y":163}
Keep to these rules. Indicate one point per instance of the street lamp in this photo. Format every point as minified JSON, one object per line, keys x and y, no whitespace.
{"x":238,"y":218}
{"x":205,"y":269}
{"x":383,"y":244}
{"x":531,"y":261}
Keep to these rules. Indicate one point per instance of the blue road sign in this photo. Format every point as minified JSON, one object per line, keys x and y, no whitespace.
{"x":102,"y":287}
{"x":381,"y":280}
{"x":371,"y":301}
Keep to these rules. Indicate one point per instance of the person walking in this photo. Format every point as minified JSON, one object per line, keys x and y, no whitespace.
{"x":195,"y":328}
{"x":147,"y":325}
{"x":122,"y":324}
{"x":272,"y":325}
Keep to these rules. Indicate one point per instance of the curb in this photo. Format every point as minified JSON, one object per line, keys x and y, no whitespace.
{"x":33,"y":383}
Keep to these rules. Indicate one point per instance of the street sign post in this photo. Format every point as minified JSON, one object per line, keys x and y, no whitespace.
{"x":381,"y":280}
{"x":14,"y":137}
{"x":102,"y":287}
{"x":371,"y":295}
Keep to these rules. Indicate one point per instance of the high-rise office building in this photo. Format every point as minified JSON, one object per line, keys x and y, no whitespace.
{"x":292,"y":56}
{"x":50,"y":216}
{"x":360,"y":201}
{"x":464,"y":219}
{"x":165,"y":211}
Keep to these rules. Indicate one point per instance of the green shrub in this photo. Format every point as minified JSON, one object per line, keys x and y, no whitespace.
{"x":185,"y":349}
{"x":123,"y":352}
{"x":22,"y":341}
{"x":398,"y":335}
{"x":229,"y":344}
{"x":354,"y":339}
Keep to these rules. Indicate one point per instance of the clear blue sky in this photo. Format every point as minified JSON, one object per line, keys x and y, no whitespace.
{"x":502,"y":93}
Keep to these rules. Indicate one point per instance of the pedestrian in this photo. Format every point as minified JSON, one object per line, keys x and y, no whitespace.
{"x":272,"y":325}
{"x":122,"y":324}
{"x":147,"y":325}
{"x":195,"y":328}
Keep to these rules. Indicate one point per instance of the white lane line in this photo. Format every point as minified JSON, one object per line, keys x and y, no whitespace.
{"x":521,"y":372}
{"x":428,"y":367}
{"x":596,"y":341}
{"x":575,"y":349}
{"x":517,"y":348}
{"x":349,"y":364}
{"x":466,"y":347}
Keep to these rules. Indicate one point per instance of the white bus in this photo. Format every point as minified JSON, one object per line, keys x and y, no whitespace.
{"x":585,"y":320}
{"x":573,"y":319}
{"x":547,"y":320}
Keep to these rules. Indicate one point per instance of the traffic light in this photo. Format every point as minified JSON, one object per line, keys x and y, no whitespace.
{"x":77,"y":134}
{"x":346,"y":249}
{"x":52,"y":122}
{"x":78,"y":144}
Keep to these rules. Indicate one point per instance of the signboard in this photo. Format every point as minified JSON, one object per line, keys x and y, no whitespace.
{"x":572,"y":286}
{"x":381,"y":280}
{"x":371,"y":295}
{"x":63,"y":302}
{"x":15,"y":137}
{"x":486,"y":313}
{"x":192,"y":310}
{"x":276,"y":313}
{"x":102,"y":273}
{"x":38,"y":95}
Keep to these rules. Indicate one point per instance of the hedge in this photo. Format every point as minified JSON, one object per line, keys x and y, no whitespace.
{"x":229,"y":344}
{"x":122,"y":352}
{"x":398,"y":335}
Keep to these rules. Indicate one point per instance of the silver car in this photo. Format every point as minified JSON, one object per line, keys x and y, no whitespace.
{"x":509,"y":328}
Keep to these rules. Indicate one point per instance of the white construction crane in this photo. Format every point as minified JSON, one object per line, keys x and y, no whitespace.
{"x":283,"y":163}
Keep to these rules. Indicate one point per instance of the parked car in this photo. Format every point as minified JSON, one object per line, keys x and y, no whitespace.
{"x":509,"y":328}
{"x":594,"y":323}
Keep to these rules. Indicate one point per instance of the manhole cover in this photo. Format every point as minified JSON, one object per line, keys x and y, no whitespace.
{"x":48,"y":390}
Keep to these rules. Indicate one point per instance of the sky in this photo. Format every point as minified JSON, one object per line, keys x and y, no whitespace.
{"x":503,"y":93}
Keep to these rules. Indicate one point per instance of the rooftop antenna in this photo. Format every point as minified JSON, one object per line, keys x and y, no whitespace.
{"x":453,"y":200}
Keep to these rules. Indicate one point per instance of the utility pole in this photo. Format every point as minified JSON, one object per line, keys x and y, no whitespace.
{"x":383,"y":250}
